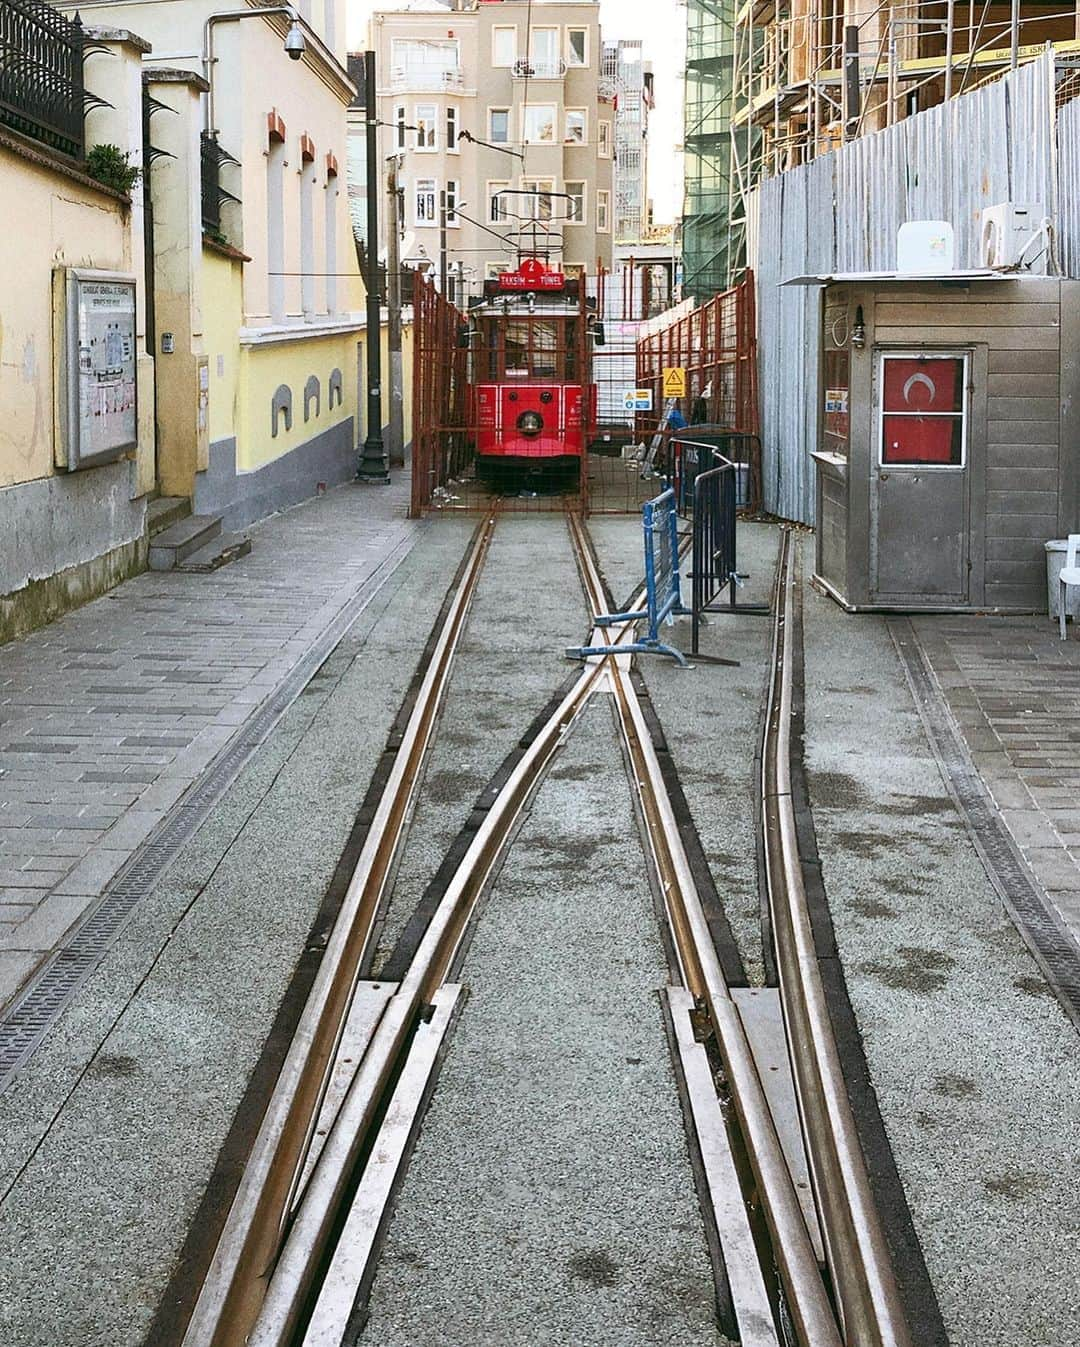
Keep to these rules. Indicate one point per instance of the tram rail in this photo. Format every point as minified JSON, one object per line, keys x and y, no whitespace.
{"x":275,"y":1279}
{"x":233,"y":1289}
{"x":279,"y":1234}
{"x":858,"y":1302}
{"x":869,"y":1307}
{"x":702,"y":975}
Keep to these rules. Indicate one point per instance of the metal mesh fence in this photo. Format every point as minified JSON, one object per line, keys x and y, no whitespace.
{"x":532,"y":404}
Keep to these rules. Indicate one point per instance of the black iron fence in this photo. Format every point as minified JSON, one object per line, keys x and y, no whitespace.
{"x":41,"y":75}
{"x":211,"y":158}
{"x":711,"y":488}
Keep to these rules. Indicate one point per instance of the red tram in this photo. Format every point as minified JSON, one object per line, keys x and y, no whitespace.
{"x":531,"y":392}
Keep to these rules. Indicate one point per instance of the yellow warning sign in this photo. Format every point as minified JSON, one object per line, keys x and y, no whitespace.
{"x":674,"y":381}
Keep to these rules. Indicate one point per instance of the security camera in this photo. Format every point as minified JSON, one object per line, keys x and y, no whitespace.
{"x":295,"y":44}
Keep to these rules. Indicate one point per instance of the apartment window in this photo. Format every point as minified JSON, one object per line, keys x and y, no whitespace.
{"x":330,"y":233}
{"x":423,"y":57}
{"x":427,"y":115}
{"x":538,"y":124}
{"x":275,"y":229}
{"x":603,"y":140}
{"x":451,"y":203}
{"x":544,"y":50}
{"x":603,"y":207}
{"x":577,"y":127}
{"x":504,"y":46}
{"x":400,"y":122}
{"x":425,"y":212}
{"x":496,"y":203}
{"x":307,"y":237}
{"x":452,"y":129}
{"x":499,"y":126}
{"x":537,"y":206}
{"x":577,"y":46}
{"x":575,"y":207}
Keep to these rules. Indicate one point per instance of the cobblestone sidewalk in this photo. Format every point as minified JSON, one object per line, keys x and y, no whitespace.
{"x":1014,"y":690}
{"x":108,"y":715}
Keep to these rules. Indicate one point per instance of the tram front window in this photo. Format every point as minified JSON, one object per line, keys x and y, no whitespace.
{"x":517,"y":349}
{"x":532,"y":348}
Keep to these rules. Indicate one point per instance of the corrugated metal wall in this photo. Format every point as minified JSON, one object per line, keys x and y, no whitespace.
{"x":842,"y":213}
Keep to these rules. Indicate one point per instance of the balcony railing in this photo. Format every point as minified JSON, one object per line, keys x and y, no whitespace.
{"x":426,"y":79}
{"x":539,"y":70}
{"x":41,"y":75}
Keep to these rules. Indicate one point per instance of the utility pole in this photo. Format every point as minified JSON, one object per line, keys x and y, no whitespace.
{"x":393,"y":300}
{"x":374,"y":466}
{"x":443,"y":269}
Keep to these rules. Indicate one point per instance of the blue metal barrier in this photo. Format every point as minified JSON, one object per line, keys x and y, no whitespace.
{"x":663,"y":597}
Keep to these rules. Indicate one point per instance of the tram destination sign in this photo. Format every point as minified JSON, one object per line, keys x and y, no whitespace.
{"x":520,"y":280}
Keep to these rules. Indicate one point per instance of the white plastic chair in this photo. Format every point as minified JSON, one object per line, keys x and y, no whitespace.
{"x":1070,"y":575}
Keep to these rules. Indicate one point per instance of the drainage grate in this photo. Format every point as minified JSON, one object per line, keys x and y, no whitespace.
{"x":1055,"y":949}
{"x":44,"y":998}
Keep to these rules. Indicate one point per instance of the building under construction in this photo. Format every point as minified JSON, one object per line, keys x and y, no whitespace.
{"x":707,"y":146}
{"x":771,"y":86}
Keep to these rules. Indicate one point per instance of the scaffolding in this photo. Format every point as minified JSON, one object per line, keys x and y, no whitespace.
{"x":805,"y":79}
{"x":708,"y":263}
{"x":626,"y":73}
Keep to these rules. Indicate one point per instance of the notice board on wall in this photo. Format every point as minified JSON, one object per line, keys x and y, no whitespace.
{"x":100,"y":367}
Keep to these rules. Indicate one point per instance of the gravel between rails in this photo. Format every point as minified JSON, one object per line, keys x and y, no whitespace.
{"x":528,"y":607}
{"x":550,"y":1198}
{"x":711,"y":715}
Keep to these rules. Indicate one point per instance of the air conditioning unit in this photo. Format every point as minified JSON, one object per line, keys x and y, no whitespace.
{"x":1014,"y":236}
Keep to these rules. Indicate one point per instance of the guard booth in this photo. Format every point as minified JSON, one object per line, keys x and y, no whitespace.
{"x":948,"y":438}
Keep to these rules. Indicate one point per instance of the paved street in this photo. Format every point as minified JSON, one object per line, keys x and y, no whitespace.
{"x":150,"y":1083}
{"x":1014,"y":690}
{"x":110,"y":714}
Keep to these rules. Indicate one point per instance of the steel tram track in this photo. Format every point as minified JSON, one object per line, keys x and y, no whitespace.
{"x":271,"y":1281}
{"x":869,"y":1309}
{"x":277,"y":1243}
{"x":858,"y":1302}
{"x":248,"y":1245}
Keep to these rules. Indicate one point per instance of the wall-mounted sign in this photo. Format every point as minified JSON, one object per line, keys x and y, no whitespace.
{"x":102,"y":421}
{"x":674,"y":381}
{"x":638,"y":400}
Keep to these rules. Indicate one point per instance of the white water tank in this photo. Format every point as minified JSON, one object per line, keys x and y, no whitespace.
{"x":926,"y":246}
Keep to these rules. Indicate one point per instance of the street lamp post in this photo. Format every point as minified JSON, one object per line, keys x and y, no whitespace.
{"x":374,"y":465}
{"x":393,"y":304}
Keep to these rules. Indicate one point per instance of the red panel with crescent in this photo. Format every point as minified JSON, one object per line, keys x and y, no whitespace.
{"x":924,"y":385}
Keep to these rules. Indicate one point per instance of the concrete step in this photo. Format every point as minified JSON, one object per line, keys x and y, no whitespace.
{"x":164,"y":511}
{"x":180,"y":540}
{"x":225,"y":548}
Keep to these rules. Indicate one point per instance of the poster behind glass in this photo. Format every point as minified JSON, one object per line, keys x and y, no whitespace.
{"x":102,"y":412}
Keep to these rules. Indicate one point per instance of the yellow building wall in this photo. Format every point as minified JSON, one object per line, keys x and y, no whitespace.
{"x":223,"y":311}
{"x":51,"y":221}
{"x":263,"y":369}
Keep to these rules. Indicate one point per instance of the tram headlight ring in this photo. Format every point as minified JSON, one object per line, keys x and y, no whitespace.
{"x":530,"y":424}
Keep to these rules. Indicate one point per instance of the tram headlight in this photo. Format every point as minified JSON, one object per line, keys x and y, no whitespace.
{"x":530,"y":424}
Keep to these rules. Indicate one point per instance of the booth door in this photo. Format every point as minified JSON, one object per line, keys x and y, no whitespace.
{"x":919,"y":479}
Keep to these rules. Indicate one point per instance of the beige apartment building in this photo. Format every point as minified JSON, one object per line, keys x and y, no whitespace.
{"x":496,"y":113}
